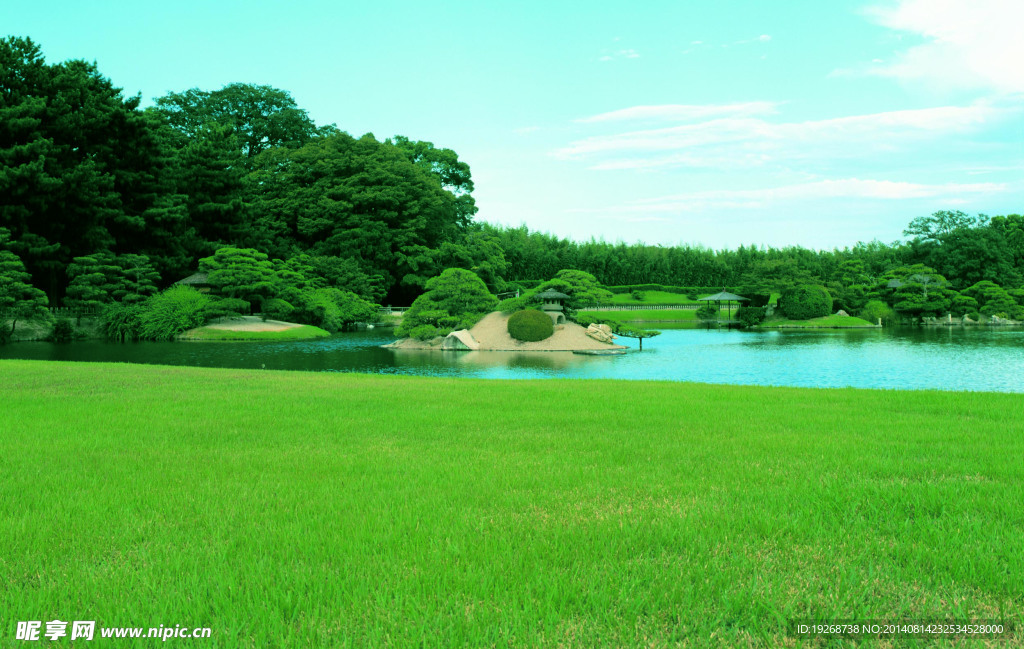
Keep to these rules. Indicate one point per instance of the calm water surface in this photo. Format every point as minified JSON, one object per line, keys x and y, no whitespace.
{"x":932,"y":358}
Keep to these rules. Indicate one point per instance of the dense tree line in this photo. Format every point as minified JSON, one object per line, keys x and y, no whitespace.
{"x":102,"y":201}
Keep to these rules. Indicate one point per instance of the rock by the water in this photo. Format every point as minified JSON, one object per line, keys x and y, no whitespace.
{"x":460,"y":340}
{"x":600,"y":332}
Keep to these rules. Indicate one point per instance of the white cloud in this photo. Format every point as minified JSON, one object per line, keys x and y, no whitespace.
{"x":620,"y":54}
{"x":968,"y":43}
{"x":683,"y":112}
{"x":845,"y":188}
{"x":763,"y":38}
{"x":753,"y":140}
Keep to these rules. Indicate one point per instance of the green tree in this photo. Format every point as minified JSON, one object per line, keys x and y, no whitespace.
{"x":992,"y":299}
{"x":240,"y":273}
{"x":81,"y":168}
{"x":637,"y":333}
{"x":261,"y":117}
{"x":94,"y":278}
{"x":942,"y":223}
{"x":454,"y":174}
{"x":455,"y":299}
{"x":19,"y":300}
{"x":355,"y":199}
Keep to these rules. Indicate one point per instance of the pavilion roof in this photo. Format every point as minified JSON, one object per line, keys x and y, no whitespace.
{"x":723,"y":297}
{"x":552,"y":294}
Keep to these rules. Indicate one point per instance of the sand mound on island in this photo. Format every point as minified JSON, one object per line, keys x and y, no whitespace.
{"x":492,"y":334}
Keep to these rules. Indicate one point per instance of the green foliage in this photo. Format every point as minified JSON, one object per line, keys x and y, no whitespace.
{"x":19,"y":300}
{"x":530,"y":325}
{"x":358,"y":199}
{"x":259,"y":117}
{"x":582,"y":288}
{"x":456,"y":298}
{"x":240,"y":272}
{"x":63,"y":331}
{"x":101,"y":278}
{"x":425,"y":332}
{"x":333,"y":309}
{"x":877,"y":309}
{"x":121,"y":322}
{"x":167,"y":314}
{"x":225,"y":307}
{"x":992,"y":300}
{"x":87,"y":166}
{"x":639,"y":333}
{"x":805,"y":301}
{"x":750,"y":316}
{"x":922,"y":292}
{"x":637,"y":295}
{"x":707,"y":312}
{"x":277,"y":309}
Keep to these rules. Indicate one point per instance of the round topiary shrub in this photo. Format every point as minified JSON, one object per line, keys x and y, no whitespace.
{"x":805,"y":302}
{"x":530,"y":325}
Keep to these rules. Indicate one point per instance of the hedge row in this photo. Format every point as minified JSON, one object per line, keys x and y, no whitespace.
{"x":679,"y":290}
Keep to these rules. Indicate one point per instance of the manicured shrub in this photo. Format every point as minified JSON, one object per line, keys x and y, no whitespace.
{"x":530,"y":325}
{"x":424,"y":332}
{"x":638,"y":295}
{"x":228,"y":307}
{"x":167,"y":314}
{"x":455,"y":299}
{"x":707,"y":312}
{"x":277,"y":309}
{"x":806,"y":301}
{"x":750,"y":316}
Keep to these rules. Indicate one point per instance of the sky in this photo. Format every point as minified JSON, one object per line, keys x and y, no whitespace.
{"x":711,"y":122}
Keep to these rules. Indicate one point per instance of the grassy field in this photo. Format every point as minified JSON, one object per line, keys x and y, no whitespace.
{"x":304,"y":332}
{"x":829,"y":321}
{"x":330,"y":510}
{"x":653,"y":315}
{"x":652,"y":297}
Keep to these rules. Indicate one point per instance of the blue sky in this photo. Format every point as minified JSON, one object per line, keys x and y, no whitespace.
{"x":717,"y":123}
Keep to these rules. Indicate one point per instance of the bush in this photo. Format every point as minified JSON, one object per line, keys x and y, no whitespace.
{"x":167,"y":314}
{"x":750,"y":316}
{"x":63,"y":331}
{"x":638,"y":295}
{"x":277,"y":309}
{"x":424,"y":332}
{"x":229,"y":307}
{"x":120,"y":321}
{"x":530,"y":326}
{"x":876,"y":309}
{"x":707,"y":312}
{"x":805,"y":302}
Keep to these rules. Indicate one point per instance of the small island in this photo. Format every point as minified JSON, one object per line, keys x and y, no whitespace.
{"x":458,"y":313}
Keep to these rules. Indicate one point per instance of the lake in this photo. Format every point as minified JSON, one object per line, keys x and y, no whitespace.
{"x":986,"y":359}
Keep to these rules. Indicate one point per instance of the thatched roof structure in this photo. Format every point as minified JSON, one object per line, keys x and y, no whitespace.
{"x":195,"y":279}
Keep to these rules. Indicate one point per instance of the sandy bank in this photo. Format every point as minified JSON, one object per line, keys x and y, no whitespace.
{"x":492,"y":334}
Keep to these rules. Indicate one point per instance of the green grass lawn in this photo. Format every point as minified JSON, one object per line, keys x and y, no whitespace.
{"x":305,"y":332}
{"x":652,"y":298}
{"x":654,"y":315}
{"x":830,"y":321}
{"x":332,"y":510}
